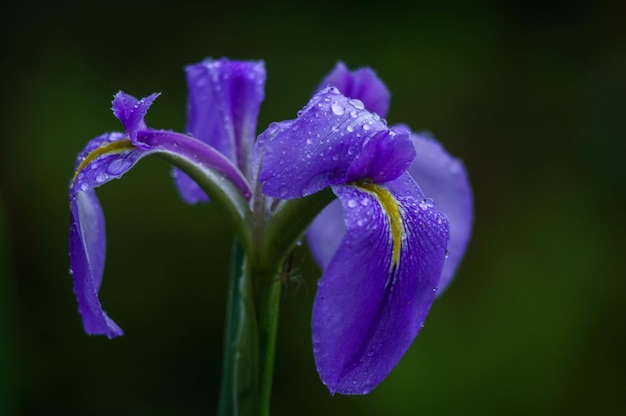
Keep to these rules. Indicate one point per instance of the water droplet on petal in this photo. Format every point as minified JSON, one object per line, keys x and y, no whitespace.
{"x":350,"y":128}
{"x":352,"y":203}
{"x":358,"y":104}
{"x":337,"y":108}
{"x":119,"y":166}
{"x":366,"y":127}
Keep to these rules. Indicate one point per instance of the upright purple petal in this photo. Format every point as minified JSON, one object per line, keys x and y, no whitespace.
{"x":224,"y":101}
{"x":362,"y":84}
{"x":444,"y":179}
{"x":317,"y":149}
{"x":367,"y":310}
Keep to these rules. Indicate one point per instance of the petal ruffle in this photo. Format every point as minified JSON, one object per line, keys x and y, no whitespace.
{"x":131,"y":111}
{"x":368,"y":312}
{"x":317,"y":149}
{"x":444,"y":179}
{"x":362,"y":84}
{"x":224,"y":101}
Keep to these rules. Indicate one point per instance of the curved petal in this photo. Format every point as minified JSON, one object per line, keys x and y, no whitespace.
{"x":444,"y":179}
{"x":369,"y":307}
{"x":87,"y":251}
{"x":109,"y":157}
{"x":224,"y":101}
{"x":362,"y":84}
{"x":382,"y":159}
{"x":318,"y":148}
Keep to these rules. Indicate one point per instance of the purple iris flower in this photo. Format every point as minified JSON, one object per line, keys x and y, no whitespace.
{"x":383,"y":246}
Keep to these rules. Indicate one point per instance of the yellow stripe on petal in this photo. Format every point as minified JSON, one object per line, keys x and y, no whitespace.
{"x":390,"y":205}
{"x":108,"y":149}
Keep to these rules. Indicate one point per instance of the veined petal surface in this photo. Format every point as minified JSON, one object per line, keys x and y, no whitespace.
{"x":368,"y":309}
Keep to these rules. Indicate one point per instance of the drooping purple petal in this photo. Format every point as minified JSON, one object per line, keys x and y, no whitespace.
{"x":367,"y":311}
{"x":108,"y":157}
{"x":131,"y":111}
{"x":317,"y":149}
{"x":87,"y":252}
{"x":444,"y":179}
{"x":224,"y":101}
{"x":362,"y":84}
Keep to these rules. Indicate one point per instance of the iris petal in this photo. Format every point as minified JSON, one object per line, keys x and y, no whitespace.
{"x":368,"y":311}
{"x":362,"y":84}
{"x":108,"y":157}
{"x":444,"y":179}
{"x":224,"y":101}
{"x":87,"y":251}
{"x":317,"y":149}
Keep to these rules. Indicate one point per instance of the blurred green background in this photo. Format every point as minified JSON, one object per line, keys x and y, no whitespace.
{"x":532,"y":97}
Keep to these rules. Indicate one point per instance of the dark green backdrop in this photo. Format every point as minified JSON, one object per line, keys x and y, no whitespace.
{"x":531,"y":97}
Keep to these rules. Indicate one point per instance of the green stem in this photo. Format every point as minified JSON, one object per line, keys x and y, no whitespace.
{"x":240,"y":376}
{"x":268,"y":328}
{"x":250,"y":338}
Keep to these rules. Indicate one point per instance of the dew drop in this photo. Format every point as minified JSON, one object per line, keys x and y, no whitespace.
{"x":350,"y":128}
{"x":100,"y":178}
{"x":84,"y":186}
{"x":366,"y":127}
{"x":118,"y":166}
{"x":358,"y":104}
{"x":337,"y":108}
{"x":352,"y":203}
